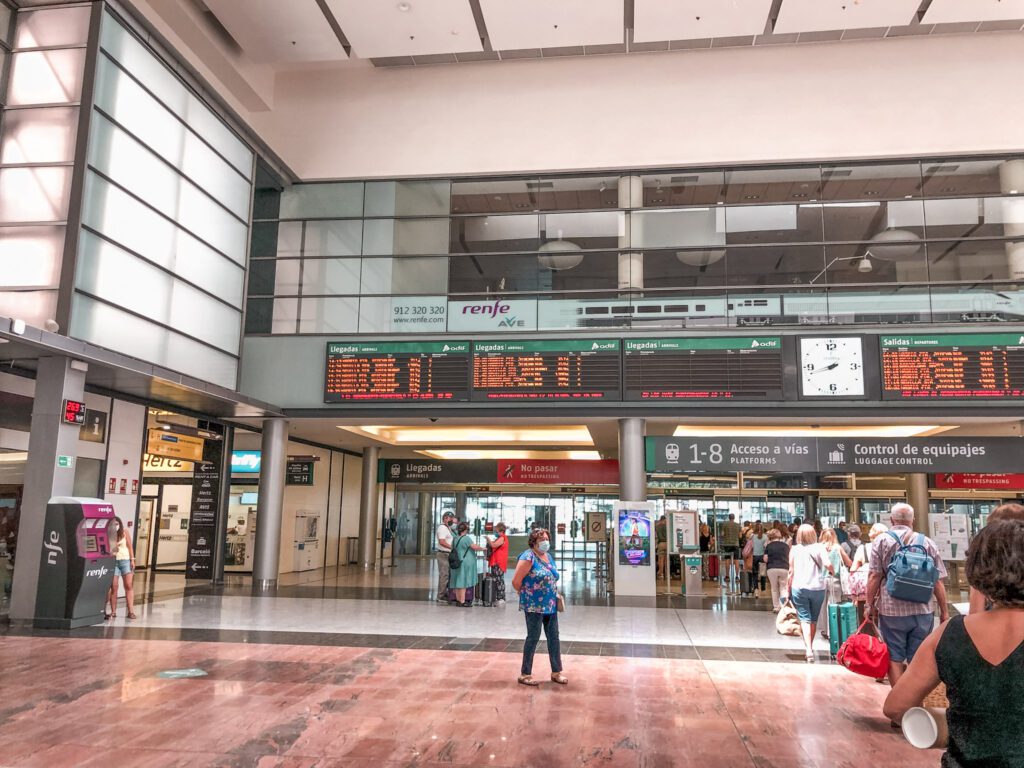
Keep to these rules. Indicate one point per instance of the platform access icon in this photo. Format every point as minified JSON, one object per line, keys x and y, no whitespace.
{"x":672,"y":453}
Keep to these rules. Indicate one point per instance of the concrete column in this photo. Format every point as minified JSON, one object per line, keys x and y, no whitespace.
{"x":632,"y":464}
{"x":270,"y":504}
{"x":1011,"y":181}
{"x":223,"y":500}
{"x":917,"y":497}
{"x":57,"y":379}
{"x":810,"y":507}
{"x":851,"y":513}
{"x":631,"y":263}
{"x":426,"y":524}
{"x":368,"y":508}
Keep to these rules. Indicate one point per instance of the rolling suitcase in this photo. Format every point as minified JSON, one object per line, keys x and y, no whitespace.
{"x":470,"y":592}
{"x":842,"y":623}
{"x":746,"y":582}
{"x":712,"y":567}
{"x":487,"y":590}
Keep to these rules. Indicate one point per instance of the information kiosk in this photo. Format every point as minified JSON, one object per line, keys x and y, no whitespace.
{"x":76,"y":565}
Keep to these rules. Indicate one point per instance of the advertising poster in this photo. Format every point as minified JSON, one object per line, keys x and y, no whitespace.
{"x":950,"y":534}
{"x":634,"y":537}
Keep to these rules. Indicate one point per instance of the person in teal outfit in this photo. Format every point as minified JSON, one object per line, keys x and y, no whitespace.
{"x":464,"y":576}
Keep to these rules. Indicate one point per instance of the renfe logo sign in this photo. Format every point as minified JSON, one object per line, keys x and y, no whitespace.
{"x":53,"y":545}
{"x":492,"y":315}
{"x":497,"y":308}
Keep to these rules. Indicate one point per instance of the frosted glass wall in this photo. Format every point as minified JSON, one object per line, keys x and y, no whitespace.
{"x":42,"y":62}
{"x":162,"y":252}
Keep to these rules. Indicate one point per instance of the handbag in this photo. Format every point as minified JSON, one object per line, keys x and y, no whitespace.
{"x":748,"y":548}
{"x":561,"y":603}
{"x":787,"y":622}
{"x":865,"y":654}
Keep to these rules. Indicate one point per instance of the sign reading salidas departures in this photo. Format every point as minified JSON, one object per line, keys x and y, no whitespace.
{"x":816,"y":454}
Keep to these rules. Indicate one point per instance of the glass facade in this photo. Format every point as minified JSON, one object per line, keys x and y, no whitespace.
{"x":167,"y":193}
{"x":868,"y":243}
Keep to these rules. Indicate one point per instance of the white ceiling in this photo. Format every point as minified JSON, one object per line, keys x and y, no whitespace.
{"x":822,"y":15}
{"x":274,"y":32}
{"x":380,"y":28}
{"x":519,"y":24}
{"x":955,"y":11}
{"x":698,"y":19}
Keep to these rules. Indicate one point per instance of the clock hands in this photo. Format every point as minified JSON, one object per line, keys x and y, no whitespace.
{"x":826,"y":368}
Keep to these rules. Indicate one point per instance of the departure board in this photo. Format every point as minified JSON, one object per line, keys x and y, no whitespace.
{"x":953,"y":366}
{"x":745,"y":368}
{"x":396,"y":373}
{"x":582,"y":369}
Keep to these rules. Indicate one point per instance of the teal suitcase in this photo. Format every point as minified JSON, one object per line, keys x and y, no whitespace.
{"x":842,"y":622}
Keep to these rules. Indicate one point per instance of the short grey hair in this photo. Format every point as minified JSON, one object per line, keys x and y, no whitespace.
{"x":853,"y":531}
{"x":902,"y":513}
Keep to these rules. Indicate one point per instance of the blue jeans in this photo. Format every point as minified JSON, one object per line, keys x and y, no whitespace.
{"x":534,"y":621}
{"x":904,"y":634}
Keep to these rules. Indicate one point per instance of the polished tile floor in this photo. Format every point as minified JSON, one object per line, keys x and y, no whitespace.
{"x":83,"y":702}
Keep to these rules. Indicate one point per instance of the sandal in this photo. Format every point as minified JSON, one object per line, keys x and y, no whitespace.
{"x":132,"y":615}
{"x":527,"y":680}
{"x":558,"y":677}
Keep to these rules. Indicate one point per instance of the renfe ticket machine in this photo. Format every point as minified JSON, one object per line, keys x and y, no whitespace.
{"x":76,"y":568}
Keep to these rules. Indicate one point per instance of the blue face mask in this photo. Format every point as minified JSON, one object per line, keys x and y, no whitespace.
{"x":544,"y":546}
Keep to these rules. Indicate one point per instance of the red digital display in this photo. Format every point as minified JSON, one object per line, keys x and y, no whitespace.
{"x":966,"y":367}
{"x":400,"y":373}
{"x":74,"y":412}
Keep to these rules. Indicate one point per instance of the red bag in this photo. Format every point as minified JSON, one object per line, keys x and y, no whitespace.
{"x":865,"y":654}
{"x":712,"y":567}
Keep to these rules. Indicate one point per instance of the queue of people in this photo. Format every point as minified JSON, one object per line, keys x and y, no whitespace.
{"x":457,"y":570}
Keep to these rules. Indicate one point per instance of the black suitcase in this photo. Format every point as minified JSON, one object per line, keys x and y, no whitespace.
{"x":487,"y":591}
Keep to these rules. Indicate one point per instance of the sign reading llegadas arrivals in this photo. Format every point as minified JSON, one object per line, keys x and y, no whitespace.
{"x":854,"y":454}
{"x":487,"y":472}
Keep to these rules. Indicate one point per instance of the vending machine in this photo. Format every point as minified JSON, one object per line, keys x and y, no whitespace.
{"x":76,"y":567}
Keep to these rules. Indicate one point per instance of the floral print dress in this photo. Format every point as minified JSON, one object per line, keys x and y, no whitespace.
{"x":538,"y":593}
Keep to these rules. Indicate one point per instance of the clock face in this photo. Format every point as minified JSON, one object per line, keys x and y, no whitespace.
{"x":832,"y":367}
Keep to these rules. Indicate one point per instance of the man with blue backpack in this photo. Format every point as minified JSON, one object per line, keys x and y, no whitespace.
{"x":904,"y":583}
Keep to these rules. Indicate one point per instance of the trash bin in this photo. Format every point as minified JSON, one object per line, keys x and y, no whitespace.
{"x":353,"y":550}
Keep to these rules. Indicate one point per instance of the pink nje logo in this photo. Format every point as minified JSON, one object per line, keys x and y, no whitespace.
{"x":491,"y":310}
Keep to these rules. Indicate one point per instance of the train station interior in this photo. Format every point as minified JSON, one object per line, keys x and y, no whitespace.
{"x":476,"y":383}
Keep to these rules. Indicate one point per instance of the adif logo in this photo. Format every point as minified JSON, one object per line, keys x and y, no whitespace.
{"x":97,"y":572}
{"x":53,"y":545}
{"x":446,"y":348}
{"x":594,"y":346}
{"x":1020,"y":340}
{"x":754,"y":344}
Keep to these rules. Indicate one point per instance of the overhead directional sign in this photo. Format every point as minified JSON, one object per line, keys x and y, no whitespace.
{"x":856,"y":454}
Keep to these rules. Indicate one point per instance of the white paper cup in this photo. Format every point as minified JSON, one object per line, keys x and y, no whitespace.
{"x":925,"y":727}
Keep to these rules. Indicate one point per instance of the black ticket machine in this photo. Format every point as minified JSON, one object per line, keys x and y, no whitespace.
{"x":76,"y":568}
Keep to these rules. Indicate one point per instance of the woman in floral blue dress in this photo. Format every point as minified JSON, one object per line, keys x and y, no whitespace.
{"x":535,"y":580}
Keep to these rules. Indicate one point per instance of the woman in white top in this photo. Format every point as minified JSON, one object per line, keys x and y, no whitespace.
{"x":809,"y":568}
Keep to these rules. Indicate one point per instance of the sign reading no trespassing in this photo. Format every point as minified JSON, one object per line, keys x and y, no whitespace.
{"x":912,"y":454}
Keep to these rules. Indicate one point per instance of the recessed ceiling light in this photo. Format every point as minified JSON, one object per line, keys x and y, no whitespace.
{"x":404,"y":7}
{"x":800,"y":194}
{"x":872,"y":193}
{"x":658,"y":200}
{"x":751,"y":197}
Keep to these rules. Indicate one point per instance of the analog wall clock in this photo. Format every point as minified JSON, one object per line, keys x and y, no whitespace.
{"x":832,"y":366}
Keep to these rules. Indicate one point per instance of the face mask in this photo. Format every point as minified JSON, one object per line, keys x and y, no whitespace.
{"x":544,"y":546}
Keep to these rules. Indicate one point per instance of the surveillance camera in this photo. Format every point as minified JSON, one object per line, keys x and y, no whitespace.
{"x":432,"y":420}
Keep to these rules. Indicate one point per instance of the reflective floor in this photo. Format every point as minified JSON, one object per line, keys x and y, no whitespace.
{"x":348,"y":667}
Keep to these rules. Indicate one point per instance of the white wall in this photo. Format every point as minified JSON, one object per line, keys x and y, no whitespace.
{"x":337,"y":467}
{"x":125,"y":431}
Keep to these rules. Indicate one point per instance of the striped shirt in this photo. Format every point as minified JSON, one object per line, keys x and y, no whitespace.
{"x":882,"y":550}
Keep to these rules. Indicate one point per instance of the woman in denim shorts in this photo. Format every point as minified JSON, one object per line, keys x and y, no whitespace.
{"x":809,"y":566}
{"x":124,"y":566}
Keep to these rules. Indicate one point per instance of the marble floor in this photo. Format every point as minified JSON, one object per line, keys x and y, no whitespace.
{"x":79,"y":702}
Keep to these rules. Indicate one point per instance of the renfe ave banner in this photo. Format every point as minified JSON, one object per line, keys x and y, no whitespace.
{"x":816,"y":454}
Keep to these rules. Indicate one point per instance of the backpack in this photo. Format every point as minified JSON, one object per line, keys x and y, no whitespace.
{"x":911,"y":573}
{"x":454,"y":561}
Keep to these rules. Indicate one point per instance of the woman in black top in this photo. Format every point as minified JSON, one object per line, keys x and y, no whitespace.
{"x":980,"y":658}
{"x":776,"y":555}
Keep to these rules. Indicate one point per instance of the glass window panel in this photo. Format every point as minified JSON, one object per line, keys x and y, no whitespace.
{"x":120,"y":217}
{"x":322,"y":201}
{"x":261,"y":277}
{"x":39,"y":135}
{"x":34,"y":307}
{"x":756,"y":224}
{"x":135,"y":168}
{"x":672,"y":190}
{"x":53,"y":27}
{"x":259,"y":315}
{"x":330,"y":276}
{"x":681,"y":228}
{"x":375,"y":315}
{"x":6,"y":27}
{"x":266,"y":204}
{"x":264,"y":239}
{"x":414,"y":236}
{"x":1008,"y":211}
{"x":286,"y":277}
{"x":122,"y":279}
{"x":507,"y":196}
{"x":525,"y":272}
{"x":30,"y":257}
{"x":886,"y":181}
{"x":333,"y":238}
{"x":495,"y":234}
{"x":774,"y":265}
{"x":685,"y":268}
{"x":285,"y":314}
{"x":772,"y":185}
{"x":883,"y":305}
{"x":46,"y":77}
{"x":375,"y":276}
{"x":871,"y":263}
{"x":330,"y":315}
{"x":587,"y":230}
{"x":573,"y":194}
{"x":152,"y":124}
{"x":113,"y":328}
{"x":34,"y":194}
{"x":864,"y":220}
{"x":152,"y":73}
{"x":977,"y":303}
{"x":956,"y":178}
{"x":973,"y":260}
{"x":961,"y":217}
{"x":408,"y":198}
{"x":289,"y":238}
{"x":419,"y":275}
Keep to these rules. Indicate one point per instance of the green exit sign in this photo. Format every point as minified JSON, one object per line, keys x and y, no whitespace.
{"x":67,"y":462}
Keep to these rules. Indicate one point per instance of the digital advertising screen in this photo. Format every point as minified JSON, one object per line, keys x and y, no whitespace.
{"x":634,"y":537}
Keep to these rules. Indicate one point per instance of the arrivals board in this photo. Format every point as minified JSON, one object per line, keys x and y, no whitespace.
{"x":569,"y":370}
{"x":397,"y":372}
{"x":745,"y":368}
{"x":952,"y":366}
